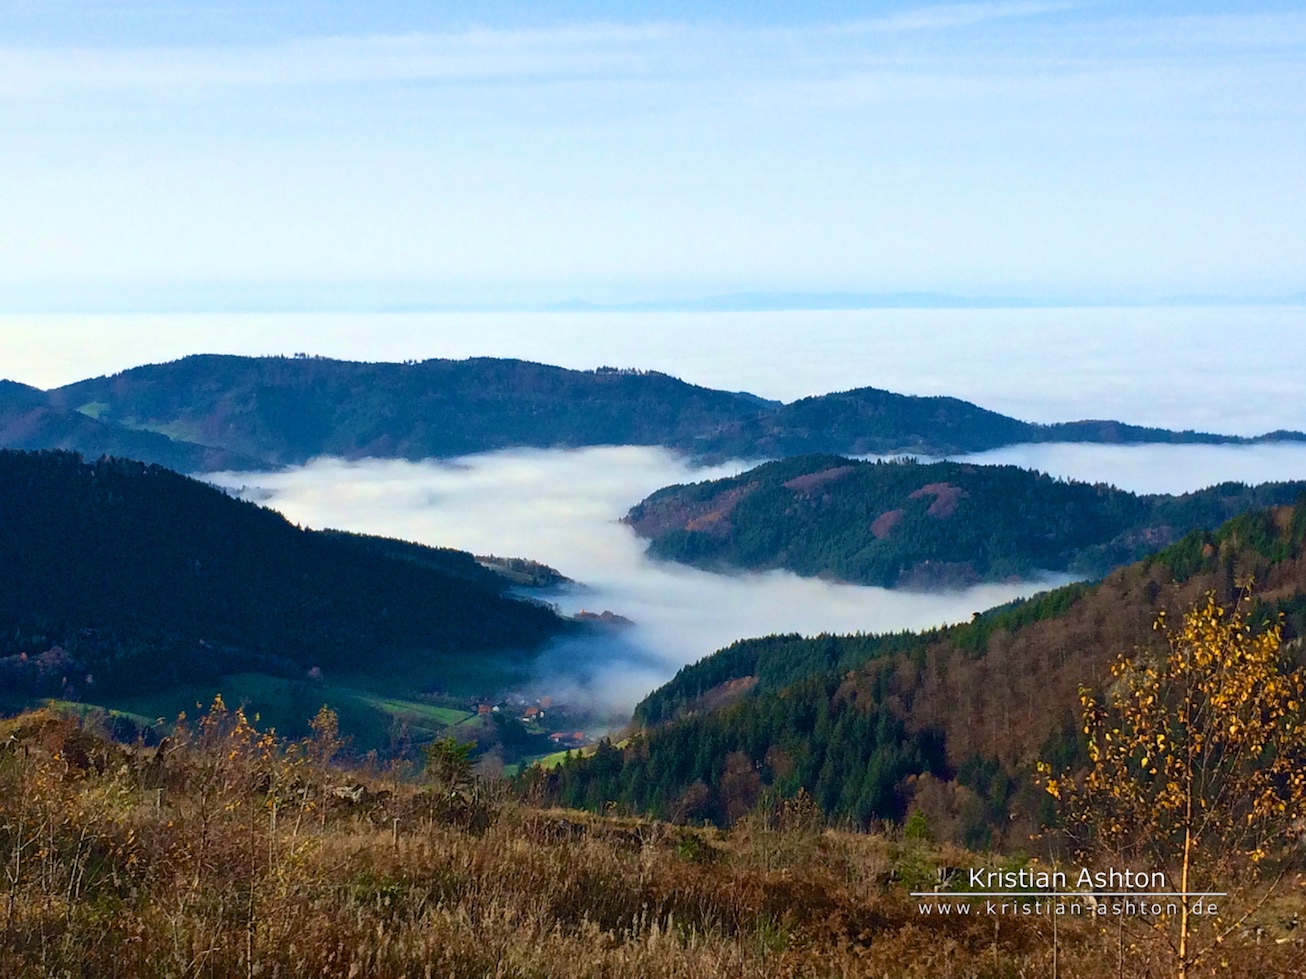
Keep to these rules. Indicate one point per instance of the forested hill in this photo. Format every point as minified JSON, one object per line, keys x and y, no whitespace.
{"x":15,"y":396}
{"x":30,"y":420}
{"x":948,"y":721}
{"x":904,"y":523}
{"x":287,"y":410}
{"x":868,"y":421}
{"x":116,"y":576}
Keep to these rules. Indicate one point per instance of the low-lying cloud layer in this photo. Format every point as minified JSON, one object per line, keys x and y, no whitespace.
{"x":1157,"y":468}
{"x":563,"y":507}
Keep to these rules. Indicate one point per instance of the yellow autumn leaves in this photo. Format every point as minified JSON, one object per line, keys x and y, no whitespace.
{"x":1196,"y":758}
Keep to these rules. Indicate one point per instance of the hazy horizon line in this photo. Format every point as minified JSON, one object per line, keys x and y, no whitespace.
{"x":260,"y":301}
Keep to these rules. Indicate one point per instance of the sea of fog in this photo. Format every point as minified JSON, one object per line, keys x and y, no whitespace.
{"x":1157,"y":468}
{"x":563,"y":507}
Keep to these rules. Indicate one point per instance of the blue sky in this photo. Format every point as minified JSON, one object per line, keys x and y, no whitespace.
{"x":171,"y":154}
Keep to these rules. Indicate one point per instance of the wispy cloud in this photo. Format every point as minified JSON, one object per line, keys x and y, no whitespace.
{"x":580,"y":50}
{"x":948,"y":16}
{"x":612,"y":49}
{"x":1009,"y":147}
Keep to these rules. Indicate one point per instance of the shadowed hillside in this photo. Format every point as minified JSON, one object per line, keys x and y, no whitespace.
{"x":119,"y":578}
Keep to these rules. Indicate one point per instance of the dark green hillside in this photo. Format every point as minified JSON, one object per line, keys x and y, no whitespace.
{"x":948,"y":721}
{"x":287,"y":410}
{"x":28,"y":420}
{"x":904,"y":523}
{"x":20,"y":397}
{"x":868,"y":421}
{"x":118,"y":578}
{"x":445,"y":560}
{"x":1114,"y":433}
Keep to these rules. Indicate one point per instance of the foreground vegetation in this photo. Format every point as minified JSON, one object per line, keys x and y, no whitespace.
{"x":222,"y":852}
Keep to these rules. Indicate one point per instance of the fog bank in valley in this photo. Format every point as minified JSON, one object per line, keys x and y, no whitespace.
{"x":1157,"y":468}
{"x":563,"y":507}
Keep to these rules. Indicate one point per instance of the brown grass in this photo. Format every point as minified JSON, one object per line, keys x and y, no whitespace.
{"x":223,"y":853}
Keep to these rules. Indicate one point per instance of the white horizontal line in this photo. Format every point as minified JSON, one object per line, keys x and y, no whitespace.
{"x":955,"y":894}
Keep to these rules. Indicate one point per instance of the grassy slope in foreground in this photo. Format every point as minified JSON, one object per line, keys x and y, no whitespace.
{"x":126,"y":583}
{"x":262,"y":859}
{"x":947,"y":721}
{"x":904,"y":523}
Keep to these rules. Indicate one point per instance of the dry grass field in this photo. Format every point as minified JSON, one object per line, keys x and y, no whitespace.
{"x":225,"y":853}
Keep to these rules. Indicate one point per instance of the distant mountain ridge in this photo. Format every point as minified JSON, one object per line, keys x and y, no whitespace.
{"x":904,"y":523}
{"x":219,"y":411}
{"x":288,"y":410}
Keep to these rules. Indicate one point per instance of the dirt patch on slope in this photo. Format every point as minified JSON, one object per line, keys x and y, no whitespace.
{"x":945,"y":496}
{"x":675,"y":513}
{"x":811,"y":481}
{"x":883,"y":525}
